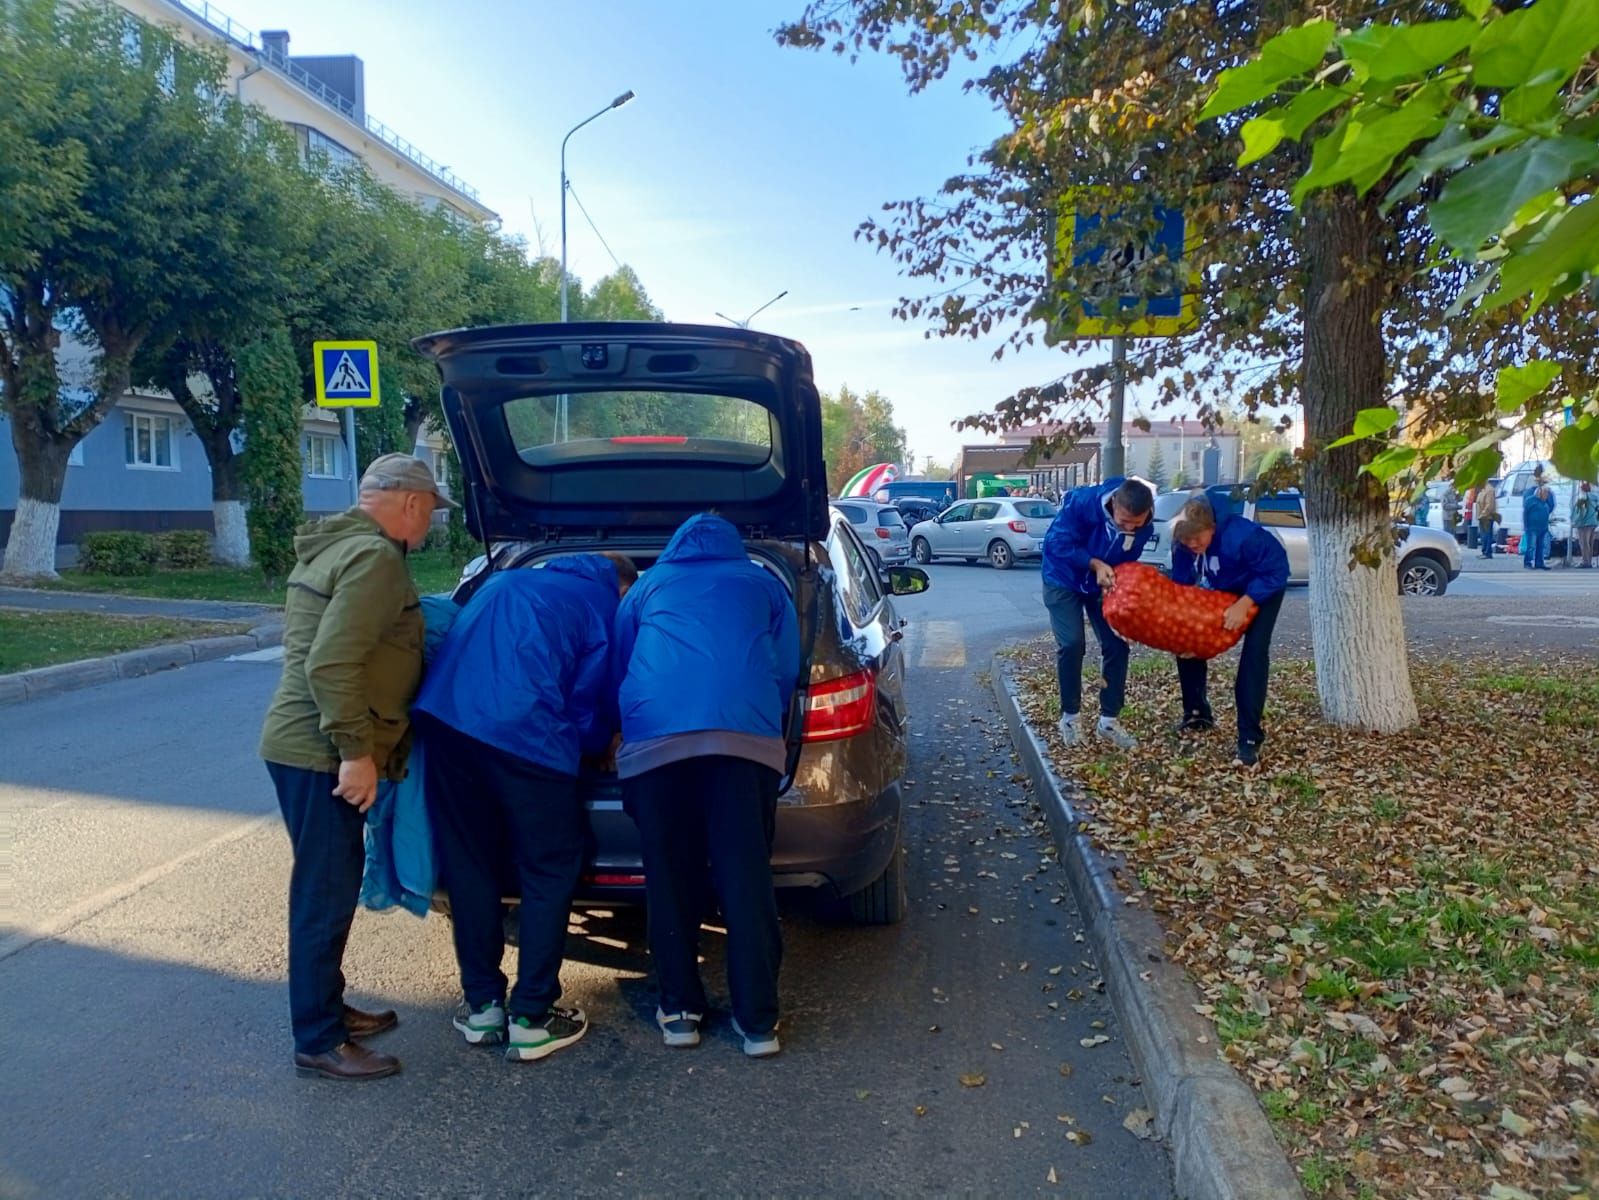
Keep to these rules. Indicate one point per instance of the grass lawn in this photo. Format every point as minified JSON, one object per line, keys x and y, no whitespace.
{"x":432,"y":570}
{"x":1397,"y":938}
{"x":41,"y":639}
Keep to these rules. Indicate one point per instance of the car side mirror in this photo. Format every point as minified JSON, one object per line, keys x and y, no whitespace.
{"x":907,"y":581}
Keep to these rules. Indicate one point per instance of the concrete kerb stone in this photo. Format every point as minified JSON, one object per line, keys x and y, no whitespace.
{"x":1222,"y":1144}
{"x":132,"y":664}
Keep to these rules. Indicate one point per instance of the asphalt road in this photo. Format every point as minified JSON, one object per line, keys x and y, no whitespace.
{"x":145,"y":1043}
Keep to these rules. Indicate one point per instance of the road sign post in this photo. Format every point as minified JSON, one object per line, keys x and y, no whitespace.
{"x":347,"y":378}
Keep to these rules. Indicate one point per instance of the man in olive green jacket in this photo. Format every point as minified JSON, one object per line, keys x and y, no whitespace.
{"x":352,"y":660}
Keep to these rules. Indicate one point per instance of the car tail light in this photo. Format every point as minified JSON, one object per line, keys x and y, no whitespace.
{"x":631,"y":880}
{"x":1018,"y":526}
{"x":840,"y":708}
{"x":884,"y":533}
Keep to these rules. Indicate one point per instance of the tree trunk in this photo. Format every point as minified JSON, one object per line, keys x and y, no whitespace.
{"x":232,"y":545}
{"x":1357,"y":627}
{"x":42,"y":460}
{"x":215,"y":419}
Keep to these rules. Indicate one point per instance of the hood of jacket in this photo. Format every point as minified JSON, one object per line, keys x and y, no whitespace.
{"x":316,"y":537}
{"x":594,"y":568}
{"x":705,"y":536}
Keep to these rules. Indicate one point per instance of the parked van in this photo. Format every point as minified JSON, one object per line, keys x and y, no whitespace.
{"x":1513,"y":489}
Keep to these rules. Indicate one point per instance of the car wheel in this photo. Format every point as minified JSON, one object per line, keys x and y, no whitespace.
{"x":921,"y":551}
{"x":1001,"y":555}
{"x":1422,"y":575}
{"x":884,"y":900}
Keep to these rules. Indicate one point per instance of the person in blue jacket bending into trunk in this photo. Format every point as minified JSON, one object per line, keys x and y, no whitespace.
{"x":707,"y":651}
{"x":1231,"y":554}
{"x":1097,"y":528}
{"x":520,"y":691}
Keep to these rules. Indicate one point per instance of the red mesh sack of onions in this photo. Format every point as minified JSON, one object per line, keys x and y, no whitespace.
{"x":1145,"y":606}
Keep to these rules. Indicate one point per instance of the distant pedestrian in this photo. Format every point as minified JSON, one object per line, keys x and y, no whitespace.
{"x":1231,"y":554}
{"x":1487,"y":517}
{"x":352,"y":658}
{"x":1585,"y":520}
{"x":1097,"y":528}
{"x":1537,"y":505}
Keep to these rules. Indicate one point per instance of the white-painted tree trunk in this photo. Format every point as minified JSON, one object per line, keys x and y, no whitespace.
{"x":232,"y":545}
{"x":1358,"y":630}
{"x":31,"y":548}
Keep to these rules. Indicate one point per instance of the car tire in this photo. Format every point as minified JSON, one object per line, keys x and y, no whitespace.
{"x":1422,"y":575}
{"x":921,"y":551}
{"x":1000,"y":556}
{"x":884,"y":901}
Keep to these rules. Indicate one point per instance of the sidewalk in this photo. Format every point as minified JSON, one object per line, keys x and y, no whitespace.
{"x":134,"y":606}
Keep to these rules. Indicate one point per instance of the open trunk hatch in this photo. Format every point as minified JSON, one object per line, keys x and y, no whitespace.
{"x":596,"y":430}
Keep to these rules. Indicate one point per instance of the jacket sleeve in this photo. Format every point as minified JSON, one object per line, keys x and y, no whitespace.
{"x":368,"y":596}
{"x":1065,"y":545}
{"x":624,"y":631}
{"x":1184,"y":564}
{"x":1267,"y":564}
{"x":594,"y":693}
{"x":785,"y":645}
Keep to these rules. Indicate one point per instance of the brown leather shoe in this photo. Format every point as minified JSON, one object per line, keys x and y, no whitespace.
{"x":350,"y":1061}
{"x":365,"y":1024}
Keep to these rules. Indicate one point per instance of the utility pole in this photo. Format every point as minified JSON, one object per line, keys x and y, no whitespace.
{"x":1112,"y":456}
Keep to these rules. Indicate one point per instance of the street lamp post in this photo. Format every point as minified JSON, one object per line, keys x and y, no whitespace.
{"x":745,"y":323}
{"x":561,"y":415}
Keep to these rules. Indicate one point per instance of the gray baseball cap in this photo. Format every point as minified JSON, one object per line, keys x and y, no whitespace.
{"x":403,"y":473}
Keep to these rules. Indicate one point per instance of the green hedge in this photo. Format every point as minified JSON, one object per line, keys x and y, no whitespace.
{"x":120,"y":552}
{"x":183,"y":549}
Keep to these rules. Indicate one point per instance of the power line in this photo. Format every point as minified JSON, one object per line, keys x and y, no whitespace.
{"x":593,"y":226}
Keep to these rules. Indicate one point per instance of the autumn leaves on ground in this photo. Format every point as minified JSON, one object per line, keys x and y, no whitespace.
{"x":1396,"y":937}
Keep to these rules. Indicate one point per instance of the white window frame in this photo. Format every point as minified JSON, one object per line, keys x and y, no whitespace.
{"x":333,"y":463}
{"x":133,"y":417}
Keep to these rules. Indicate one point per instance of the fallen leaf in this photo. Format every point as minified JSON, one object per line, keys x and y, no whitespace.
{"x":1517,"y":1124}
{"x":1099,"y":1039}
{"x":862,"y":1094}
{"x":1052,"y":1177}
{"x":920,"y":1110}
{"x":973,"y":1080}
{"x":1140,"y":1123}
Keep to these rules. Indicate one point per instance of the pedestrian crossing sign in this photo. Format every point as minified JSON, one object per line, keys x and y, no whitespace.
{"x":346,"y":374}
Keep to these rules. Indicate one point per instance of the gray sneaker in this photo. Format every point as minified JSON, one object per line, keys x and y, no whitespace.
{"x":532,"y":1038}
{"x":679,"y":1029}
{"x":758,"y":1045}
{"x":483,"y":1025}
{"x":1111,"y":730}
{"x":1070,"y":733}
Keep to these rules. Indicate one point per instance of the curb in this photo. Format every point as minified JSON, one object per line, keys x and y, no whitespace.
{"x":1222,"y":1144}
{"x":131,"y":664}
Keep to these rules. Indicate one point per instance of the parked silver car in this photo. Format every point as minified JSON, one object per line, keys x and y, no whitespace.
{"x":881,"y":528}
{"x":1001,"y":530}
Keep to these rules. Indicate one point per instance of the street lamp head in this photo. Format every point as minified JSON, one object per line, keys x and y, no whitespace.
{"x":622,"y":99}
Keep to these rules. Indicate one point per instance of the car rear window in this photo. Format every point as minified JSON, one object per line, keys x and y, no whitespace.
{"x":639,"y":425}
{"x":1032,"y":509}
{"x":889,"y":517}
{"x":1169,"y":504}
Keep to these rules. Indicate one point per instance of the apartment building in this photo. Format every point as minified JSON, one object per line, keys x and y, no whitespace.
{"x":143,"y":467}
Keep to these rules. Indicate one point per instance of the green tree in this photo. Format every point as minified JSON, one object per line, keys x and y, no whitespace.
{"x":858,"y":431}
{"x":1157,"y":467}
{"x":620,"y":296}
{"x":936,"y":471}
{"x":1504,"y":151}
{"x":121,"y":120}
{"x":274,"y":404}
{"x":1335,"y":307}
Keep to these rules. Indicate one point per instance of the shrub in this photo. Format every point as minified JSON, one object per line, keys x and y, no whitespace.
{"x":182,"y":549}
{"x":119,"y":552}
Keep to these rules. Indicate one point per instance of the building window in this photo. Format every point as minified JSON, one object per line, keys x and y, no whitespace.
{"x":148,"y":440}
{"x":322,"y":456}
{"x":323,"y":151}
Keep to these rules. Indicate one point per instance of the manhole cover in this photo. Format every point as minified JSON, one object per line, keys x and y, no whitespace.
{"x":1552,"y":620}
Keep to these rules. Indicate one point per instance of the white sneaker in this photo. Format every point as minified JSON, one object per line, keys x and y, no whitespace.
{"x":1111,"y":730}
{"x":679,"y":1029}
{"x":758,"y":1045}
{"x":1069,"y":733}
{"x":481,"y":1026}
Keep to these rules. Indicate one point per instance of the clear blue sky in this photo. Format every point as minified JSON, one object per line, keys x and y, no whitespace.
{"x":740,"y":170}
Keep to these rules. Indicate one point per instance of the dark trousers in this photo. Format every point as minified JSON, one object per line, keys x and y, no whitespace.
{"x":1067,"y":607}
{"x":1254,"y":668}
{"x":324,"y":885}
{"x":500,"y":821}
{"x":1486,"y":540}
{"x":718,"y":811}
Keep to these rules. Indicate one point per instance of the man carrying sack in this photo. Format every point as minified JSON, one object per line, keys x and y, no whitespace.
{"x":352,"y":659}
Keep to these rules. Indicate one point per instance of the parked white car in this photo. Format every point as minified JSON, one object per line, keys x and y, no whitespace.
{"x":1002,"y":530}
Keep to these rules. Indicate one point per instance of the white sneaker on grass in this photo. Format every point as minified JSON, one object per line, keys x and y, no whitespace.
{"x":1111,"y":730}
{"x":758,"y":1045}
{"x":483,"y":1025}
{"x":1069,"y":732}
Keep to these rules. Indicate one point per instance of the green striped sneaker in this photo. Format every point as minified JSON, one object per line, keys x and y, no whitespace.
{"x":483,"y":1025}
{"x":538,"y":1037}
